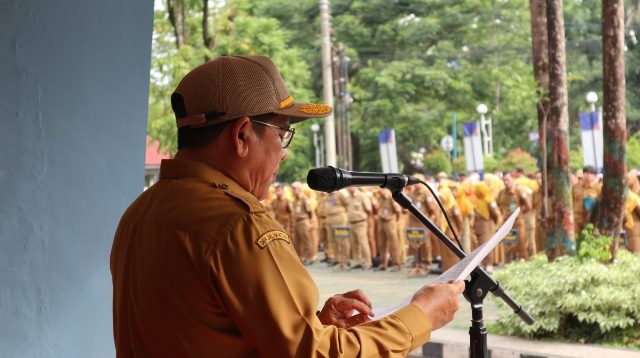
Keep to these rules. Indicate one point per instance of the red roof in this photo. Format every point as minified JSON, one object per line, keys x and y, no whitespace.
{"x":153,"y":156}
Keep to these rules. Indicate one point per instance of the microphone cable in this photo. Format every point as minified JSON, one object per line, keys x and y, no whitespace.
{"x":444,"y":212}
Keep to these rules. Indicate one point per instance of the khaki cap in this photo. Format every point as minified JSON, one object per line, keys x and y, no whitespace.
{"x":231,"y":87}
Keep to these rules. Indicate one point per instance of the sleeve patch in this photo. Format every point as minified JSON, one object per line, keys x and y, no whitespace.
{"x":269,"y":236}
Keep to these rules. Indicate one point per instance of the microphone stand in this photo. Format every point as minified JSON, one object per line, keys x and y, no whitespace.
{"x":475,"y":290}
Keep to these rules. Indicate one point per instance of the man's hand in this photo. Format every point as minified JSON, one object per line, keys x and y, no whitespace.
{"x":338,"y":310}
{"x":439,"y":302}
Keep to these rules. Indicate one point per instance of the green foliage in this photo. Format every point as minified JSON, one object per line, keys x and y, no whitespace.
{"x":491,"y":164}
{"x":458,"y":165}
{"x":437,"y":161}
{"x":574,"y":299}
{"x":236,"y":33}
{"x":518,"y":158}
{"x":592,"y":247}
{"x":576,"y":161}
{"x":633,"y":152}
{"x":413,"y":63}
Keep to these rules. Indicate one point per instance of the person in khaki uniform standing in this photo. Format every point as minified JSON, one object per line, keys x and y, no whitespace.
{"x":388,"y":213}
{"x":530,"y":188}
{"x":632,"y":215}
{"x":321,"y":217}
{"x":486,"y":217}
{"x":335,"y":205}
{"x":199,"y":269}
{"x":358,"y":212}
{"x":302,"y":225}
{"x":283,"y":210}
{"x":424,"y":202}
{"x":449,"y":258}
{"x":585,"y":196}
{"x":509,"y":199}
{"x":466,"y":212}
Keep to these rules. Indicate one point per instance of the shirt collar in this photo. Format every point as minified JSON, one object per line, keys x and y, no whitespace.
{"x":191,"y":169}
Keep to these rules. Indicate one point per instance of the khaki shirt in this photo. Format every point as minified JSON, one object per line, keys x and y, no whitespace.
{"x":335,"y":204}
{"x":359,"y":207}
{"x":424,"y":202}
{"x":201,"y":270}
{"x":282,"y":210}
{"x":301,"y":208}
{"x":388,"y":209}
{"x":584,"y":198}
{"x":510,"y":200}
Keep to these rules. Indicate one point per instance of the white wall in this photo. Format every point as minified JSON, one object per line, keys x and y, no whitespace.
{"x":74,"y":79}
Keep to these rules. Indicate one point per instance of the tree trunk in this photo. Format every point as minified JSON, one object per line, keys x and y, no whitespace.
{"x":609,"y":218}
{"x":540,"y":51}
{"x":207,"y":38}
{"x":561,"y":239}
{"x":176,"y":10}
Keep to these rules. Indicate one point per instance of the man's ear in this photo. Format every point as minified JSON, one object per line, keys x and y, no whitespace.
{"x":242,"y":134}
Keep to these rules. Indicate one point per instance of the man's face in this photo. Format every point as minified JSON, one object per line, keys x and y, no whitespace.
{"x":508,"y":181}
{"x":588,"y":178}
{"x":279,"y":192}
{"x":266,"y":157}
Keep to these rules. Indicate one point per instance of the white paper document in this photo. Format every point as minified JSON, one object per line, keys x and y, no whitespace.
{"x":463,"y":268}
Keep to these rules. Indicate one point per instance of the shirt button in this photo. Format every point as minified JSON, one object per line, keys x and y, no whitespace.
{"x":223,"y":186}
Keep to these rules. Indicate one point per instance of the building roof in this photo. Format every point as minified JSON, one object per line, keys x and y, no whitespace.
{"x":153,"y":155}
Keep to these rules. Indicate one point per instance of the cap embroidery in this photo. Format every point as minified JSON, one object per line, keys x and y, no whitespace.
{"x":314,"y":108}
{"x":269,"y":236}
{"x":286,"y":102}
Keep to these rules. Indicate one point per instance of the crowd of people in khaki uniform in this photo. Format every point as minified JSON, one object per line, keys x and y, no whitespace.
{"x":374,"y":232}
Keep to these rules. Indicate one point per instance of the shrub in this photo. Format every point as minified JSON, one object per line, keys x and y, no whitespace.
{"x":593,"y":247}
{"x":460,"y":165}
{"x":491,"y":165}
{"x":575,"y":298}
{"x":518,"y":158}
{"x":437,"y":161}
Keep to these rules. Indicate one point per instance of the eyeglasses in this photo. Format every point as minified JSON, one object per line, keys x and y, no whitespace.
{"x":286,"y":135}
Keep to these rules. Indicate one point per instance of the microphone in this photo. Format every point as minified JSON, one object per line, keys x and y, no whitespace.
{"x":330,"y":179}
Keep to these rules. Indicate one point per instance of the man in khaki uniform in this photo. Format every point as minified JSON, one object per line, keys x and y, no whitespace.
{"x":302,"y":224}
{"x":585,"y":196}
{"x":335,"y":205}
{"x":485,"y":218}
{"x":509,"y":199}
{"x":424,"y":202}
{"x":283,"y":210}
{"x":201,"y":270}
{"x":388,"y":213}
{"x":449,"y":258}
{"x":321,"y":216}
{"x":358,"y":213}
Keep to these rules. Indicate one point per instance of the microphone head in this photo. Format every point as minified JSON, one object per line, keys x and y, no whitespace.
{"x":323,"y":179}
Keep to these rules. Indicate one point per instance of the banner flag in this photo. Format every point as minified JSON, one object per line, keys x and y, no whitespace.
{"x":591,"y":128}
{"x":473,"y":147}
{"x":388,"y":152}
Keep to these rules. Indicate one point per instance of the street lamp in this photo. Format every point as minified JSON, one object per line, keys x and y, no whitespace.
{"x":487,"y":131}
{"x":592,"y":98}
{"x":315,"y":128}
